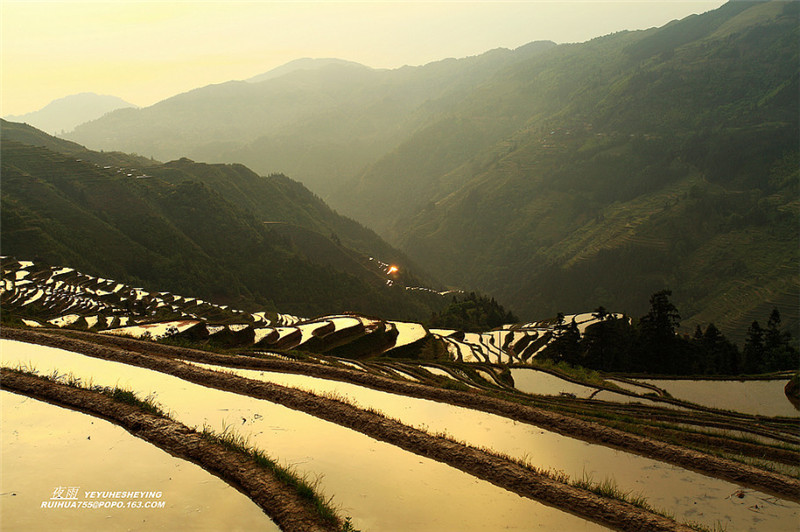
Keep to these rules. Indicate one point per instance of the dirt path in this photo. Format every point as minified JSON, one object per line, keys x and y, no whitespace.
{"x":279,"y":501}
{"x":382,"y":429}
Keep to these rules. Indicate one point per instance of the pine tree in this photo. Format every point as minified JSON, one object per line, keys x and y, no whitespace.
{"x":720,"y":354}
{"x":663,"y":318}
{"x":753,"y":352}
{"x":657,"y":335}
{"x":566,"y":347}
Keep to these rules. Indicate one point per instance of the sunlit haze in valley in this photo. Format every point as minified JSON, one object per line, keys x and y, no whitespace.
{"x":147,"y":51}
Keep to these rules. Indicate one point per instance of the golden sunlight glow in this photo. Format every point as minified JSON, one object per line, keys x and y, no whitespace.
{"x":145,"y":51}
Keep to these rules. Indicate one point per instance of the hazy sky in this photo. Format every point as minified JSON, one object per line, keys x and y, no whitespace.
{"x":145,"y":51}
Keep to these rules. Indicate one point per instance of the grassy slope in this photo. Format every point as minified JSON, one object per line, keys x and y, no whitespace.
{"x":182,"y":237}
{"x":277,"y":198}
{"x":666,"y":154}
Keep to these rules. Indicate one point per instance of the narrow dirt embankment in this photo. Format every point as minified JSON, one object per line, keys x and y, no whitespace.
{"x":368,"y":423}
{"x":500,"y":471}
{"x":278,"y":500}
{"x":785,"y":487}
{"x":783,"y":456}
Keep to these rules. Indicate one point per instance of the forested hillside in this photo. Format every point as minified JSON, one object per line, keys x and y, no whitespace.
{"x":665,"y":158}
{"x":556,"y":178}
{"x":179,"y":233}
{"x":320,"y":121}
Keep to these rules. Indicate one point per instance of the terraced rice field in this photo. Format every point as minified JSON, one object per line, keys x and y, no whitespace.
{"x":374,"y":502}
{"x":345,"y":461}
{"x":757,"y":397}
{"x":485,"y":437}
{"x":64,"y":297}
{"x":45,"y":448}
{"x":676,"y":490}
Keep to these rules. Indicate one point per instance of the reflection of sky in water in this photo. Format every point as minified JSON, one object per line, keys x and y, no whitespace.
{"x":542,"y":383}
{"x":765,"y":398}
{"x":45,"y":447}
{"x":539,"y":382}
{"x":690,"y":495}
{"x":381,"y":486}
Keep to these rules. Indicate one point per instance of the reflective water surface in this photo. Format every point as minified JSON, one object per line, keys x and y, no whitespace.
{"x":45,"y":448}
{"x":765,"y":398}
{"x":381,"y":486}
{"x":542,"y":383}
{"x":690,"y":496}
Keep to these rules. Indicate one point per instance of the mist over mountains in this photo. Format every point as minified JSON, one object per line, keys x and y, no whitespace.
{"x":62,"y":115}
{"x":319,"y":121}
{"x":557,"y":178}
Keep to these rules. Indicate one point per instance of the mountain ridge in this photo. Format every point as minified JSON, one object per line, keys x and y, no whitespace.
{"x":152,"y":226}
{"x":531,"y":173}
{"x":316,"y":125}
{"x":304,"y":63}
{"x":64,"y":114}
{"x":713,"y":116}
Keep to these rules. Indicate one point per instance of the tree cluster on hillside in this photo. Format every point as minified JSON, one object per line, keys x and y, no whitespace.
{"x":472,"y":313}
{"x":651,"y":345}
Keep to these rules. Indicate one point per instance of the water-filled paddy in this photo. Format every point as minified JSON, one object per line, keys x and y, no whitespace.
{"x":689,"y":495}
{"x":539,"y":382}
{"x":46,"y":447}
{"x":542,"y":383}
{"x":765,"y":398}
{"x":381,"y":486}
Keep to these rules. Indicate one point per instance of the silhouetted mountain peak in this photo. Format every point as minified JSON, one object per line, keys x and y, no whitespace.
{"x":305,"y":63}
{"x":64,"y":114}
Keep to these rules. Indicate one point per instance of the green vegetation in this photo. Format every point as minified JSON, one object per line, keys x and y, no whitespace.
{"x":553,"y":177}
{"x":228,"y":438}
{"x":122,"y":395}
{"x":651,"y":345}
{"x":290,"y":209}
{"x":606,"y":488}
{"x":472,"y":313}
{"x":665,"y":157}
{"x":178,"y":235}
{"x":579,"y":374}
{"x":309,"y":491}
{"x":147,"y":404}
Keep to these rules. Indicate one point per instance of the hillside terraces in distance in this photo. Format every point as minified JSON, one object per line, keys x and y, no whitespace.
{"x":36,"y":295}
{"x":220,"y":232}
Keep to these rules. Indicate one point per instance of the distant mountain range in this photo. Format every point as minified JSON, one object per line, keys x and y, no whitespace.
{"x":219,"y":232}
{"x":307,"y":63}
{"x":557,"y":178}
{"x":62,"y":115}
{"x":319,"y":121}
